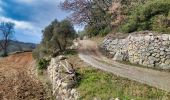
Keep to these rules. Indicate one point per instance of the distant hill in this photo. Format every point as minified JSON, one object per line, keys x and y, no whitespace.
{"x":19,"y":46}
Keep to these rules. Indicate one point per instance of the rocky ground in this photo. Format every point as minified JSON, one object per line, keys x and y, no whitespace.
{"x":17,"y":79}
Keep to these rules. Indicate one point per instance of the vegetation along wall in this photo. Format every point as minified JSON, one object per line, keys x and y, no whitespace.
{"x":144,"y":48}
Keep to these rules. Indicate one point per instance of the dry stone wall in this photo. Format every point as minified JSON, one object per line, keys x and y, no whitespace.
{"x":144,"y":48}
{"x":63,"y":79}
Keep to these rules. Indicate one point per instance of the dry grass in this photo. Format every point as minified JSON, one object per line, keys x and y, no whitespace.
{"x":97,"y":39}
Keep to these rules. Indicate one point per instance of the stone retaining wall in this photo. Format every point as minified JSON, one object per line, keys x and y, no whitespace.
{"x":144,"y":48}
{"x":63,"y":79}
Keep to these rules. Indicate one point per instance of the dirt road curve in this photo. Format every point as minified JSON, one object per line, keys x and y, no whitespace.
{"x":17,"y":80}
{"x":154,"y":78}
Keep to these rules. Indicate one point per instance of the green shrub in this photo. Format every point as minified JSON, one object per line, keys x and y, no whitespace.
{"x":42,"y":64}
{"x":70,"y":52}
{"x":161,"y":23}
{"x":105,"y":31}
{"x":95,"y":30}
{"x":144,"y":17}
{"x":56,"y":38}
{"x":91,"y":31}
{"x":81,"y":34}
{"x":129,"y":27}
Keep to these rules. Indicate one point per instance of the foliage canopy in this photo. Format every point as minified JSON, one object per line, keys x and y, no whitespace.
{"x":153,"y":15}
{"x":56,"y":38}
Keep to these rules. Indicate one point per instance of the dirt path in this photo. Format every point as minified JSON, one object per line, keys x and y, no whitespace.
{"x":89,"y":54}
{"x":17,"y":79}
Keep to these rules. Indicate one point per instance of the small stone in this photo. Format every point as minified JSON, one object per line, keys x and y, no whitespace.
{"x":152,"y":38}
{"x":64,"y":84}
{"x":148,"y":54}
{"x":165,"y":43}
{"x":64,"y":91}
{"x":154,"y":54}
{"x":73,"y":91}
{"x":119,"y":56}
{"x":163,"y":60}
{"x":156,"y":50}
{"x":151,"y":48}
{"x":165,"y":37}
{"x":151,"y":62}
{"x":147,"y":38}
{"x":116,"y":98}
{"x":150,"y":34}
{"x":167,"y":62}
{"x":167,"y":50}
{"x":162,"y":53}
{"x":162,"y":49}
{"x":111,"y":99}
{"x":115,"y":41}
{"x":167,"y":56}
{"x":157,"y":55}
{"x":168,"y":53}
{"x":97,"y":98}
{"x":58,"y":82}
{"x":62,"y":57}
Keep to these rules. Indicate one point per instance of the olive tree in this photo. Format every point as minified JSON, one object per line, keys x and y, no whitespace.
{"x":56,"y":38}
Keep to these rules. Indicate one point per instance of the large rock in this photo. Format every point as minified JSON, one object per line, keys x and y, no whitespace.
{"x":121,"y":56}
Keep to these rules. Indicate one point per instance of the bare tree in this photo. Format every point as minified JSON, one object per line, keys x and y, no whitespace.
{"x":6,"y":34}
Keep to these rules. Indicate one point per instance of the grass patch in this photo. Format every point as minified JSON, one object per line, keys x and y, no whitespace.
{"x":70,"y":52}
{"x":95,"y":83}
{"x":43,"y":64}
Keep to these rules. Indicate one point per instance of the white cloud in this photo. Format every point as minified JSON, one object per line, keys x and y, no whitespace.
{"x":26,"y":27}
{"x":18,"y":24}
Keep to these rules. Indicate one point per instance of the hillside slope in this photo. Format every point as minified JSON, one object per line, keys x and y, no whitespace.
{"x":19,"y":46}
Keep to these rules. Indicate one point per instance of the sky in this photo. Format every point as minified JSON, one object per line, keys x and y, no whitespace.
{"x":30,"y":17}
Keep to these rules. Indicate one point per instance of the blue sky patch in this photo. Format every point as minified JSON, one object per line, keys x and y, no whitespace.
{"x":30,"y":16}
